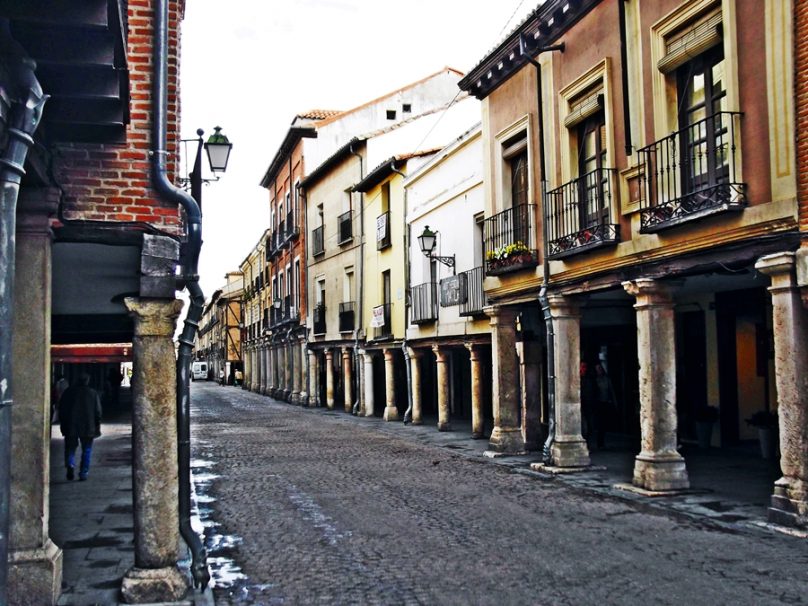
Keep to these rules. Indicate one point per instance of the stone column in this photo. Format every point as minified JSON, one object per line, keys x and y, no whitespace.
{"x":477,"y":421}
{"x":390,"y":410}
{"x":268,"y":368}
{"x":368,"y":383}
{"x":262,"y":366}
{"x":329,"y":378}
{"x":287,"y":371}
{"x":531,"y":395}
{"x":347,"y":379}
{"x":245,"y":384}
{"x":569,"y":447}
{"x":35,"y":562}
{"x":507,"y":434}
{"x":294,"y":350}
{"x":789,"y":504}
{"x":443,"y":388}
{"x":155,"y":577}
{"x":256,"y":368}
{"x":314,"y":373}
{"x":304,"y":382}
{"x":273,"y":370}
{"x":658,"y":467}
{"x":415,"y":375}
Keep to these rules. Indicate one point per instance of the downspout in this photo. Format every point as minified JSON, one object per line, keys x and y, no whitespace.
{"x":547,"y":454}
{"x":358,"y":403}
{"x":25,"y":116}
{"x":189,"y":279}
{"x":621,"y":6}
{"x":304,"y":279}
{"x":404,"y":349}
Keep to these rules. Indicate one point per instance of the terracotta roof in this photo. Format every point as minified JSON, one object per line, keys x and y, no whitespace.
{"x":318,"y":114}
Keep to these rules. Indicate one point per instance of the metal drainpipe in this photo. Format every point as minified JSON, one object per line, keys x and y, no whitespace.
{"x":404,"y":350}
{"x":189,"y":279}
{"x":26,"y":114}
{"x":304,"y":198}
{"x":359,"y":384}
{"x":547,"y":454}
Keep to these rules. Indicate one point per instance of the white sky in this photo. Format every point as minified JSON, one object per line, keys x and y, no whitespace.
{"x":250,"y":65}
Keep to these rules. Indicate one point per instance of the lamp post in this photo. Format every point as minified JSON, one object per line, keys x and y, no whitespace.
{"x":218,"y":150}
{"x":427,"y":241}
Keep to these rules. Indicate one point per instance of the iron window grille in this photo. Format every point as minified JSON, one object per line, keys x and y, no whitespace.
{"x":319,"y":319}
{"x":317,"y":241}
{"x":345,"y":227}
{"x":476,"y":298}
{"x":424,"y":303}
{"x":383,"y":231}
{"x":346,"y":316}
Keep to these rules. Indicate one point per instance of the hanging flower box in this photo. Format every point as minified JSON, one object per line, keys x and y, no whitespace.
{"x":510,"y":257}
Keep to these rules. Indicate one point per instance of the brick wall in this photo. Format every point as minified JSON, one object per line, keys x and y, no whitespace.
{"x":113,"y":182}
{"x":801,"y":107}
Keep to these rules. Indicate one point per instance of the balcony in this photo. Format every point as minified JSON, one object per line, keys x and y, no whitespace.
{"x":317,"y":241}
{"x":424,"y":303}
{"x":319,"y":319}
{"x":382,"y":328}
{"x":578,"y":214}
{"x":345,"y":223}
{"x":475,"y":295}
{"x":291,"y":311}
{"x":346,"y":316}
{"x":281,"y":233}
{"x":383,"y":231}
{"x":691,"y":173}
{"x":509,"y":236}
{"x":292,"y":228}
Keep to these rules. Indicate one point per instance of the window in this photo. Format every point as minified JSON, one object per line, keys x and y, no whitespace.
{"x":406,"y":108}
{"x":591,"y":138}
{"x":702,"y":96}
{"x":391,"y":114}
{"x":514,"y":153}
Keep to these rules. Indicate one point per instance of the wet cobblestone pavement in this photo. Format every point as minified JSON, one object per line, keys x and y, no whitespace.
{"x":300,"y":506}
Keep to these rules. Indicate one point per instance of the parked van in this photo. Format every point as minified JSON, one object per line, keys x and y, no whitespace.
{"x":199,"y":370}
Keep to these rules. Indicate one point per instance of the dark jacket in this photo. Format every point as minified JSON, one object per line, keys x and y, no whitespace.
{"x":80,"y":412}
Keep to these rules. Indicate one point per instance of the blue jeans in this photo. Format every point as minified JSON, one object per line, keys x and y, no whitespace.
{"x":71,"y":443}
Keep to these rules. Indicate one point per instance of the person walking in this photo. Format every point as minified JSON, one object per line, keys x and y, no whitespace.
{"x":79,"y":421}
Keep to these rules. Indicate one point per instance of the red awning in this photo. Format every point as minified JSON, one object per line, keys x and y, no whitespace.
{"x":93,"y":352}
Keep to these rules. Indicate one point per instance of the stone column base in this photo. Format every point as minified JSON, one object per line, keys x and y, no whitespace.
{"x":417,"y":422}
{"x":152,"y":585}
{"x":789,"y":507}
{"x":390,"y":413}
{"x":294,"y":398}
{"x":570,"y":452}
{"x":507,"y":441}
{"x":35,"y":576}
{"x":445,"y":426}
{"x":660,"y":472}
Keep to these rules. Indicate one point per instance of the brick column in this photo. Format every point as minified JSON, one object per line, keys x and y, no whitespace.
{"x":658,"y":467}
{"x":789,"y":503}
{"x":443,"y":388}
{"x":390,"y":410}
{"x":35,"y":562}
{"x":329,"y":378}
{"x":415,"y":377}
{"x":347,"y":379}
{"x":477,"y":421}
{"x":155,"y":577}
{"x":507,"y":434}
{"x":569,"y":447}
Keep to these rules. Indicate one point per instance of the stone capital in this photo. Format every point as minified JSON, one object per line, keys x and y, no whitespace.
{"x":780,"y":267}
{"x":440,"y":354}
{"x":651,"y":293}
{"x":500,"y":314}
{"x":346,"y":353}
{"x":329,"y":353}
{"x":415,"y":354}
{"x":154,"y":317}
{"x":563,"y":307}
{"x":388,"y":355}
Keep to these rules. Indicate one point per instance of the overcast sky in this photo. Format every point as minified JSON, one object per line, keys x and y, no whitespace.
{"x":250,"y":65}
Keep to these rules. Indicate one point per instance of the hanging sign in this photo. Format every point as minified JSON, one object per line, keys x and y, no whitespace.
{"x":377,"y":321}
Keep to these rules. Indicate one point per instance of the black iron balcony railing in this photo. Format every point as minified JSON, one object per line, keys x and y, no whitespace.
{"x":383,"y":231}
{"x":346,"y":316}
{"x":345,"y":222}
{"x":291,"y":312}
{"x":292,"y":228}
{"x":509,"y":240}
{"x":281,"y":232}
{"x":424,"y":303}
{"x":317,"y":241}
{"x":319,"y":319}
{"x":578,"y":214}
{"x":476,"y":299}
{"x":385,"y":331}
{"x":691,"y":173}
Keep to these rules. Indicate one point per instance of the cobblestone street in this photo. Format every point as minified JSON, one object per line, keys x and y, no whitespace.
{"x":310,"y":506}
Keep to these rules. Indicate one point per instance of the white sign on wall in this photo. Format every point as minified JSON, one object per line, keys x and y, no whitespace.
{"x":377,"y":321}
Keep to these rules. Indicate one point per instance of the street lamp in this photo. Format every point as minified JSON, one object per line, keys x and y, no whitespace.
{"x":427,"y":241}
{"x":218,"y":150}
